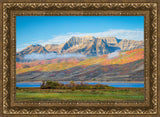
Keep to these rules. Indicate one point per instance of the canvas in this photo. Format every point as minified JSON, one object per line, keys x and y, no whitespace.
{"x":79,"y":58}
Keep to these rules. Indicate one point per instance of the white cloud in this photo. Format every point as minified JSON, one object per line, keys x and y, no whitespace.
{"x":36,"y":56}
{"x":113,"y":54}
{"x":119,"y":33}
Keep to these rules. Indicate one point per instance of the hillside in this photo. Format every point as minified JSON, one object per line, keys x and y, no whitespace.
{"x":115,"y":66}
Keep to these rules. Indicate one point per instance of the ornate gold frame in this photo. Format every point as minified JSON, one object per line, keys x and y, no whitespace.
{"x":10,"y":9}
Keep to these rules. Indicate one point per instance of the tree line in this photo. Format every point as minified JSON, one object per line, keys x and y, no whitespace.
{"x":72,"y":85}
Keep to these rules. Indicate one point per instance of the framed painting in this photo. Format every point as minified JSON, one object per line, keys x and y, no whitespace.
{"x":73,"y":58}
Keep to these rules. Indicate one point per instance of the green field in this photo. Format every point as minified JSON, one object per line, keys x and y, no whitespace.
{"x":37,"y":94}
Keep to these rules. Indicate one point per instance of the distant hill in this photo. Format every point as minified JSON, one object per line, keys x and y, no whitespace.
{"x":30,"y":49}
{"x":87,"y":45}
{"x":125,"y":66}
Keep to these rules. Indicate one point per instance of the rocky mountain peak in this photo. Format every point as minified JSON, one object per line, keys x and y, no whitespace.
{"x":53,"y":47}
{"x":74,"y":41}
{"x":87,"y":45}
{"x":29,"y":50}
{"x":110,"y":40}
{"x":34,"y":45}
{"x":81,"y":39}
{"x":130,"y":44}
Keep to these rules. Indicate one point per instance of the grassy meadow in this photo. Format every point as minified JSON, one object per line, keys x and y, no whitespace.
{"x":38,"y":94}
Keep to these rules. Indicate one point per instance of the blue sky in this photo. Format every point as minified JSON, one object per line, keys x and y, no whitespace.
{"x":58,"y":29}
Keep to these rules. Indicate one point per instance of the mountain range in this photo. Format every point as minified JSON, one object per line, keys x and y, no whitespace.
{"x":87,"y":45}
{"x":105,"y":59}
